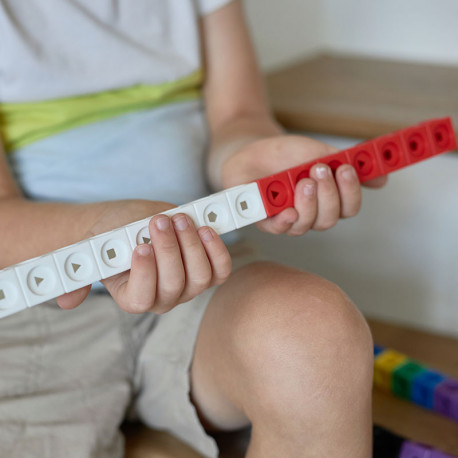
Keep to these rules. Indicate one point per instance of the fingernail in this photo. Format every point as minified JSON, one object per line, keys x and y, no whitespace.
{"x":309,"y":189}
{"x":206,"y":235}
{"x":180,"y":223}
{"x":322,"y":171}
{"x":162,"y":223}
{"x":349,"y":174}
{"x":143,"y":249}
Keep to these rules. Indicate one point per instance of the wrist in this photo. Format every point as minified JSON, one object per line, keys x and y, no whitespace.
{"x":229,"y":139}
{"x":111,"y":215}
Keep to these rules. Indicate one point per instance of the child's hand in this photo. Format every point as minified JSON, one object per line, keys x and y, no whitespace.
{"x":319,"y":200}
{"x":180,"y":263}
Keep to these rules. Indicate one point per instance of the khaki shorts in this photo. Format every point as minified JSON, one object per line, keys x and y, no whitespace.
{"x":69,"y":378}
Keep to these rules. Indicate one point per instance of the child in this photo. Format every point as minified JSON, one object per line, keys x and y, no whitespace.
{"x":102,"y":125}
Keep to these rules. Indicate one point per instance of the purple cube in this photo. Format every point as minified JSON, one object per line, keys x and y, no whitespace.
{"x":446,"y":398}
{"x":438,"y":454}
{"x":414,"y":450}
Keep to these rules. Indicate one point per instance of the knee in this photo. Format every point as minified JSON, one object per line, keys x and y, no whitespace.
{"x":299,"y":338}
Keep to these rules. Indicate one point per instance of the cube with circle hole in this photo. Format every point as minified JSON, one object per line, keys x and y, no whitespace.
{"x":246,"y":204}
{"x":138,"y":232}
{"x":299,"y":172}
{"x":40,"y":280}
{"x":188,"y":210}
{"x":441,"y":135}
{"x":77,"y":266}
{"x":391,"y":153}
{"x":214,"y":211}
{"x":363,"y":158}
{"x":277,"y":193}
{"x":112,"y":251}
{"x":334,"y":161}
{"x":12,"y":299}
{"x":416,"y":143}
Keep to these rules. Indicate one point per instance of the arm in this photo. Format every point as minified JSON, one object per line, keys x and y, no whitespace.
{"x":180,"y":264}
{"x":31,"y":229}
{"x":247,"y":143}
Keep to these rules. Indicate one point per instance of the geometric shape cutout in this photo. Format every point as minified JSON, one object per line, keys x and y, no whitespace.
{"x":75,"y":267}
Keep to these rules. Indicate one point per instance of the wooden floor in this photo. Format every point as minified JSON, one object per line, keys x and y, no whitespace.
{"x":397,"y":415}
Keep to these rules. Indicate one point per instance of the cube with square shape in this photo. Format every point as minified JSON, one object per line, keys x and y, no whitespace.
{"x":441,"y":135}
{"x":423,"y":386}
{"x":246,"y":204}
{"x":403,"y":378}
{"x":416,"y":143}
{"x":214,"y":211}
{"x":12,"y":299}
{"x":390,"y":153}
{"x":363,"y":158}
{"x":414,"y":450}
{"x":277,"y":193}
{"x":378,"y":349}
{"x":446,"y":398}
{"x":112,"y":252}
{"x":77,"y":266}
{"x":40,"y":280}
{"x":384,"y":365}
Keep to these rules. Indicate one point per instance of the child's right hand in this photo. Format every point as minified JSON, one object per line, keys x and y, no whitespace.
{"x":180,"y":263}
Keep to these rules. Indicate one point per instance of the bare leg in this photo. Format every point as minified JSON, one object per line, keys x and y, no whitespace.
{"x":289,"y":353}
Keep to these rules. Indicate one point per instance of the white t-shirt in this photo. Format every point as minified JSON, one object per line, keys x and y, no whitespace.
{"x":59,"y":48}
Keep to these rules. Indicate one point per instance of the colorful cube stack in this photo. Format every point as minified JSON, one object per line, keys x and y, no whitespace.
{"x":408,"y":379}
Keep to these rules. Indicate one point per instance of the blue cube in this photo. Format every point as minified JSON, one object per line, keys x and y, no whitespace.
{"x":378,"y":349}
{"x":423,"y":387}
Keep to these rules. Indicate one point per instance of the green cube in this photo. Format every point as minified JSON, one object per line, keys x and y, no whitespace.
{"x":401,"y":382}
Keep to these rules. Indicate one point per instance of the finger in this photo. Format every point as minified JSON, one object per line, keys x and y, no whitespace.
{"x":328,"y":197}
{"x":71,"y":300}
{"x":217,"y":254}
{"x":135,"y":292}
{"x":279,"y":224}
{"x":350,"y":191}
{"x":198,"y":270}
{"x":170,"y":269}
{"x":376,"y":182}
{"x":306,"y":204}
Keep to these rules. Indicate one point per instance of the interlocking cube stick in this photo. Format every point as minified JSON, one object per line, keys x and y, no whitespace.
{"x":396,"y":373}
{"x":46,"y":277}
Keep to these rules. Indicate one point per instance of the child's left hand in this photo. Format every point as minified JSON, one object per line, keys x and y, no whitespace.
{"x":319,"y":201}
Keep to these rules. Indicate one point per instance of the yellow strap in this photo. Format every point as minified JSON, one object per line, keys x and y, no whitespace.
{"x":25,"y":123}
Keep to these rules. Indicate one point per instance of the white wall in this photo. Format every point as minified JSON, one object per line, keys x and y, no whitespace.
{"x":285,"y":30}
{"x":418,"y":30}
{"x":415,"y":30}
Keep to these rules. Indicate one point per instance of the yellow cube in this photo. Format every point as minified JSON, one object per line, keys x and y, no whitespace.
{"x":385,"y":364}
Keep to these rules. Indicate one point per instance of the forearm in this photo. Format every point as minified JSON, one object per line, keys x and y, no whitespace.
{"x":230,"y":137}
{"x":237,"y":108}
{"x":30,"y":229}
